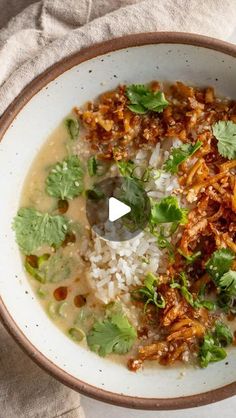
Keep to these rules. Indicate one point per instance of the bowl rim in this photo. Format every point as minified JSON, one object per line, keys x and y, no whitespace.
{"x":134,"y":40}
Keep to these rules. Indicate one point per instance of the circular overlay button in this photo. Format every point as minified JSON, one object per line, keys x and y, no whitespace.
{"x":117,"y":208}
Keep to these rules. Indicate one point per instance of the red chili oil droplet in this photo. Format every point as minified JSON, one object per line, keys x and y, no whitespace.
{"x":63,"y":206}
{"x":60,"y":293}
{"x":79,"y":301}
{"x":32,"y":260}
{"x":70,"y":238}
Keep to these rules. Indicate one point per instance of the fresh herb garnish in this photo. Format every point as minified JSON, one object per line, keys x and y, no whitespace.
{"x":55,"y":269}
{"x":97,"y":167}
{"x":142,"y":99}
{"x":33,"y":229}
{"x":228,"y":283}
{"x":132,"y":193}
{"x":210,"y":351}
{"x":218,"y":267}
{"x":225,"y":133}
{"x":195,"y":302}
{"x":219,"y":263}
{"x":179,"y":155}
{"x":164,"y":243}
{"x":168,"y":210}
{"x":72,"y":126}
{"x":126,"y":168}
{"x":65,"y":180}
{"x":190,"y":259}
{"x":223,"y":334}
{"x":76,"y":333}
{"x":92,"y":166}
{"x":112,"y":335}
{"x":148,"y":292}
{"x":33,"y":265}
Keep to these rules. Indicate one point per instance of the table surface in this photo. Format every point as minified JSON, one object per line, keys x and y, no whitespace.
{"x":224,"y":408}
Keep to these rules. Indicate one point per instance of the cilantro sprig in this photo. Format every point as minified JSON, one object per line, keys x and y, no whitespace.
{"x":114,"y":334}
{"x":132,"y":193}
{"x":228,"y":283}
{"x":211,"y":349}
{"x":219,"y":268}
{"x":225,"y":133}
{"x":220,"y":263}
{"x":179,"y":155}
{"x":142,"y":99}
{"x":168,"y":210}
{"x":33,"y":229}
{"x":65,"y":180}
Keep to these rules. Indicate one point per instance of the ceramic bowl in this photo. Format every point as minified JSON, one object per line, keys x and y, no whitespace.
{"x":23,"y":129}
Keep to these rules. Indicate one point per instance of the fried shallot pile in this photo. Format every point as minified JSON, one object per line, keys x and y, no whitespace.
{"x":208,"y":186}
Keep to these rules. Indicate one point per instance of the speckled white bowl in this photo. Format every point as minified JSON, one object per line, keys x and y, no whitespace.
{"x":23,"y":129}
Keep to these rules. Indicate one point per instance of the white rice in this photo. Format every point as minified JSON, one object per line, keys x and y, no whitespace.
{"x":117,"y":266}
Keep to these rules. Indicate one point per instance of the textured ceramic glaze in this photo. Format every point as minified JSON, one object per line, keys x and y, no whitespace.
{"x":20,"y":144}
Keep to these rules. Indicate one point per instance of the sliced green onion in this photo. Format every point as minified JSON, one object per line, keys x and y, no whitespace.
{"x":42,"y":293}
{"x":62,"y":309}
{"x":52,"y":310}
{"x":77,"y":334}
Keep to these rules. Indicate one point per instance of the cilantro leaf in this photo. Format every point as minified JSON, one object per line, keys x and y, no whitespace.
{"x":226,"y":302}
{"x":33,"y":229}
{"x":72,"y":126}
{"x":132,"y":193}
{"x":143,"y":99}
{"x":148,"y":292}
{"x":168,"y":210}
{"x":223,"y":334}
{"x":112,"y":335}
{"x":179,"y":155}
{"x":65,"y":180}
{"x":225,"y":133}
{"x":228,"y":282}
{"x":210,"y":351}
{"x":219,"y":263}
{"x":53,"y":269}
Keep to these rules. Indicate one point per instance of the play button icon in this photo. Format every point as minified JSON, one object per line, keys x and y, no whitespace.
{"x":117,"y":208}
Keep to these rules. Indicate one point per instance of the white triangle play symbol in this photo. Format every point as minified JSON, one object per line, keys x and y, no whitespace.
{"x":117,"y":209}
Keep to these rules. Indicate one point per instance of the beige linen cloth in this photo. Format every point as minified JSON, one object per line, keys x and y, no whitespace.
{"x":43,"y":33}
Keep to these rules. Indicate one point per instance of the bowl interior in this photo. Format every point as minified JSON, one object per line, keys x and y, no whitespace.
{"x":20,"y":144}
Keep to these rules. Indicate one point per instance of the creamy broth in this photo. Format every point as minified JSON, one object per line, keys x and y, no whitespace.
{"x":157,"y":296}
{"x":56,"y":149}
